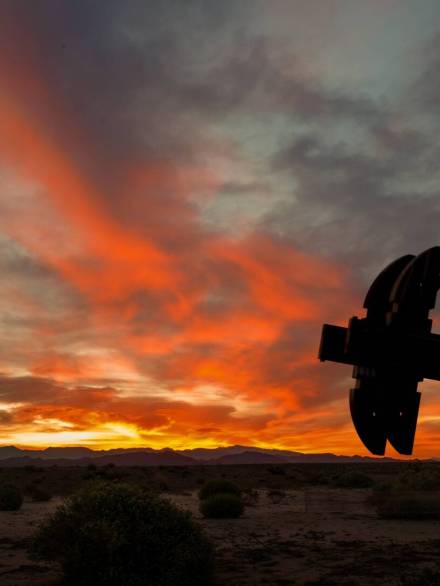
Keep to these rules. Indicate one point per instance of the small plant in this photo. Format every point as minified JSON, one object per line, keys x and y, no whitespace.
{"x":119,"y":535}
{"x":222,"y":506}
{"x":353,"y":479}
{"x":11,"y":498}
{"x":219,"y":486}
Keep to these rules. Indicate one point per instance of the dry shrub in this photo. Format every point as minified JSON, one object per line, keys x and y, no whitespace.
{"x":119,"y":535}
{"x":353,"y":479}
{"x":222,"y":506}
{"x":276,"y":496}
{"x":11,"y":498}
{"x":219,"y":486}
{"x":39,"y":494}
{"x":251,"y":497}
{"x":393,"y":504}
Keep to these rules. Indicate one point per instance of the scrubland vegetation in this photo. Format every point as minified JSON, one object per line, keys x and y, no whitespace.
{"x":117,"y":534}
{"x":310,"y":524}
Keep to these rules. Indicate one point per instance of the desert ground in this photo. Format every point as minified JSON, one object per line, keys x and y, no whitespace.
{"x":297,"y":528}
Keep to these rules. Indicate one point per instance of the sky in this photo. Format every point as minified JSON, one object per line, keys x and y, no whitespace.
{"x":188,"y":191}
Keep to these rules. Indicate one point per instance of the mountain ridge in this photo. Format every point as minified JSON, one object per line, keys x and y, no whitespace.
{"x":146,"y":456}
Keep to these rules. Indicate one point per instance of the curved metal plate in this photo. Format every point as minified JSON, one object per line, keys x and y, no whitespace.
{"x":368,"y":415}
{"x":377,"y":300}
{"x":402,"y":423}
{"x":415,"y":291}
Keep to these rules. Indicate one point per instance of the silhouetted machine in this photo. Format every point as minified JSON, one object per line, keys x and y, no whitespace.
{"x":392,"y":350}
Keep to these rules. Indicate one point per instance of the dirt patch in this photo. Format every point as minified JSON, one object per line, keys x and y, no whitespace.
{"x":319,"y":536}
{"x":15,"y":529}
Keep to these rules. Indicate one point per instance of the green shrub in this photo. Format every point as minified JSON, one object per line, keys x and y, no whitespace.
{"x":391,"y":504}
{"x":222,"y":506}
{"x":353,"y":479}
{"x":219,"y":486}
{"x":11,"y":498}
{"x":119,"y":535}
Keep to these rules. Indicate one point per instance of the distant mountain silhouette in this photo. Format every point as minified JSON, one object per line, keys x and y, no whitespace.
{"x":210,"y":453}
{"x":11,"y":452}
{"x":168,"y":458}
{"x":249,"y":457}
{"x":67,"y":452}
{"x":80,"y":456}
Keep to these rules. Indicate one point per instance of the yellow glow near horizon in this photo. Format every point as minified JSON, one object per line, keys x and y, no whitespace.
{"x":118,"y":433}
{"x":58,"y":438}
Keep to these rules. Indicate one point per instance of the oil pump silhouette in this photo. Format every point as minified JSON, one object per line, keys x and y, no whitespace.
{"x":392,"y":349}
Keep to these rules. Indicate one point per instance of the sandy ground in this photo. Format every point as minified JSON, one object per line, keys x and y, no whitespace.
{"x":15,"y":528}
{"x":315,"y":537}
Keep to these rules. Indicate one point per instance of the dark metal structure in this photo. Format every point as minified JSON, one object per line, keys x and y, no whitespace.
{"x":392,"y":349}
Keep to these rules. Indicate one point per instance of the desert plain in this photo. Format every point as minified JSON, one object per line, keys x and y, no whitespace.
{"x":299,"y":526}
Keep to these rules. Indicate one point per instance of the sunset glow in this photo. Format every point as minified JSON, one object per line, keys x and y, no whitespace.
{"x":187,"y":192}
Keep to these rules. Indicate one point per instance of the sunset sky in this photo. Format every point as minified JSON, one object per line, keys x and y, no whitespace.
{"x":188,"y":190}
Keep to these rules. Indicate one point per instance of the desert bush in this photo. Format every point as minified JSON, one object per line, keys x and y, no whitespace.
{"x":392,"y":504}
{"x":39,"y":494}
{"x":277,"y":470}
{"x":353,"y":479}
{"x":427,"y":577}
{"x":222,"y":506}
{"x":88,"y":476}
{"x":381,"y":492}
{"x":418,"y":480}
{"x":318,"y":479}
{"x":219,"y":486}
{"x":11,"y":498}
{"x":119,"y":535}
{"x":251,"y":497}
{"x":298,"y":478}
{"x":276,"y":496}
